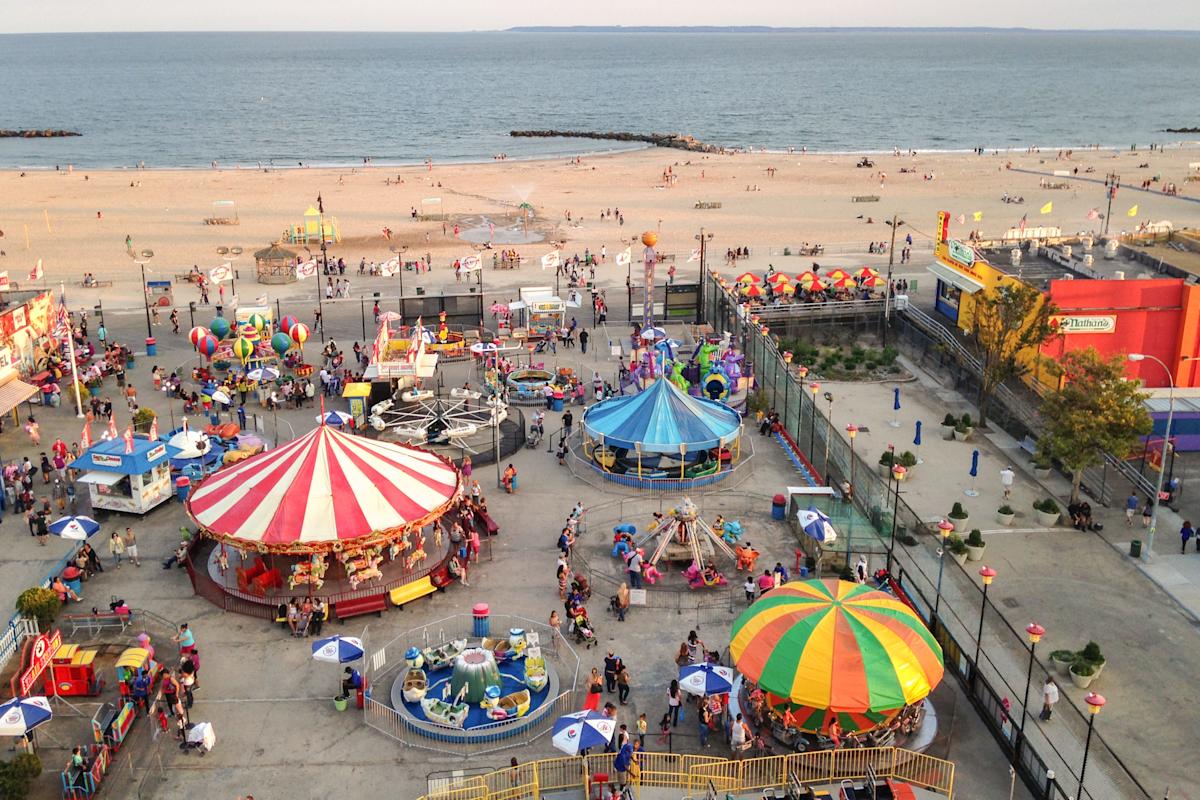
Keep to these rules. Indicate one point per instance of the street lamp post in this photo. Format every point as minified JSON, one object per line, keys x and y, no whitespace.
{"x":1035,"y":633}
{"x":1148,"y":552}
{"x":704,"y":239}
{"x":851,"y":431}
{"x":828,"y":431}
{"x":894,"y":223}
{"x":142,"y":258}
{"x":897,"y":474}
{"x":812,"y":428}
{"x":945,"y":528}
{"x":1112,"y":182}
{"x":399,"y":251}
{"x":1095,"y":702}
{"x":988,"y":575}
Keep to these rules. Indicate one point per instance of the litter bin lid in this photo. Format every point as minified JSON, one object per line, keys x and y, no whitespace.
{"x":480,"y":609}
{"x":778,"y":499}
{"x":183,"y":480}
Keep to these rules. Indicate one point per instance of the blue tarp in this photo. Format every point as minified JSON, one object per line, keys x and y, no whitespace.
{"x":110,"y":456}
{"x":661,"y":418}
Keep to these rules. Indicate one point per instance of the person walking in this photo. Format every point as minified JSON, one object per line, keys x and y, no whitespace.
{"x":695,"y":648}
{"x":1007,"y":476}
{"x":583,"y":341}
{"x":1049,"y":698}
{"x":623,"y":684}
{"x":185,"y":638}
{"x":739,"y":738}
{"x":674,"y":702}
{"x":1131,"y":505}
{"x":1186,"y":533}
{"x":703,"y":721}
{"x":633,"y":565}
{"x":116,"y":547}
{"x":612,"y":665}
{"x":642,"y":727}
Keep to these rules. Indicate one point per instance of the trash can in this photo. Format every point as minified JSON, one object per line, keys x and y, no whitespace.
{"x":1135,"y":548}
{"x":556,"y":402}
{"x":151,"y":346}
{"x":183,"y":485}
{"x":778,"y":507}
{"x":482,"y":626}
{"x":340,"y":702}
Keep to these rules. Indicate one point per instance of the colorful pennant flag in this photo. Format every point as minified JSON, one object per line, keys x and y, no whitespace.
{"x":1132,"y":212}
{"x":85,"y":438}
{"x":36,"y":273}
{"x":128,"y":440}
{"x":154,"y":429}
{"x":978,"y":216}
{"x":112,"y":427}
{"x":1046,"y":209}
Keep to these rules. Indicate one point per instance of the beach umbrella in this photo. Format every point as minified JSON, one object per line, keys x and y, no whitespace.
{"x":219,"y":327}
{"x":77,"y":528}
{"x":748,"y":277}
{"x":484,"y":348}
{"x":196,"y":334}
{"x":22,"y":714}
{"x":786,"y":288}
{"x":299,"y":333}
{"x":816,"y":524}
{"x":974,"y":472}
{"x":256,"y":321}
{"x":753,"y":290}
{"x":581,"y":730}
{"x":333,"y":418}
{"x":871,"y":282}
{"x":836,"y":274}
{"x":649,"y":334}
{"x":337,"y":649}
{"x":221,"y":396}
{"x":866,"y":272}
{"x":917,"y":442}
{"x":836,"y":645}
{"x":777,"y":278}
{"x":498,"y":308}
{"x":286,"y":323}
{"x":895,"y":420}
{"x":207,"y":346}
{"x":243,"y":348}
{"x":263,"y":373}
{"x":810,"y":282}
{"x":817,"y":720}
{"x":844,"y":282}
{"x":702,"y":679}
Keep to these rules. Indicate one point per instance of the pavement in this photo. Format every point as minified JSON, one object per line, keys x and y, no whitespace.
{"x":278,"y":734}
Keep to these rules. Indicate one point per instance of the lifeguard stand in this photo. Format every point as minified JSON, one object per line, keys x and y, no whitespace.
{"x":310,"y":230}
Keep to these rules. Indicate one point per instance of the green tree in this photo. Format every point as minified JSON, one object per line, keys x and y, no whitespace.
{"x":1096,"y":411}
{"x":1009,"y":320}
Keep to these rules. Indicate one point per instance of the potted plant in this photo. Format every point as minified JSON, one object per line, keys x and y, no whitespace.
{"x":93,"y":386}
{"x":1047,"y":512}
{"x":885,"y":463}
{"x":142,"y":419}
{"x":975,"y":545}
{"x":959,"y":516}
{"x":949,"y":422}
{"x":1062,"y":660}
{"x":962,"y":431}
{"x":957,"y":548}
{"x":1082,"y":674}
{"x":1041,"y":467}
{"x":1092,"y":655}
{"x":1005,"y":515}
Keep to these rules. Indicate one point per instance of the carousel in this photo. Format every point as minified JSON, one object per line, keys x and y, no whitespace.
{"x":327,"y":514}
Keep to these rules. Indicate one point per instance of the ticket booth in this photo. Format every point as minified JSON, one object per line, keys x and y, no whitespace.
{"x":358,"y":394}
{"x":134,"y":482}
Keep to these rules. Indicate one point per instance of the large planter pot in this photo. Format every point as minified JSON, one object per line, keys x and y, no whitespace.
{"x":1082,"y":681}
{"x":885,"y":470}
{"x":1041,"y":474}
{"x":961,"y":558}
{"x":975,"y":553}
{"x":1099,"y":668}
{"x":960,"y":524}
{"x":947,"y":432}
{"x":1005,"y":519}
{"x":1046,"y":519}
{"x":961,"y":436}
{"x":1063,"y":667}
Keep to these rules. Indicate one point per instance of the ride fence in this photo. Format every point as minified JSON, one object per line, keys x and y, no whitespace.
{"x":385,"y":664}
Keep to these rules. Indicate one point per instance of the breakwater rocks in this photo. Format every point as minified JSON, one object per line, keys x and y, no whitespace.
{"x":1182,"y":130}
{"x":677,"y":141}
{"x":48,"y":133}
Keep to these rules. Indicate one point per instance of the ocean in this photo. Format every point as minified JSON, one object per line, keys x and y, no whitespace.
{"x":185,"y":100}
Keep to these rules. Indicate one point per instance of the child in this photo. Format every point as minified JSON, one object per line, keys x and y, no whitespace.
{"x":641,"y":730}
{"x":749,"y":588}
{"x":664,"y":729}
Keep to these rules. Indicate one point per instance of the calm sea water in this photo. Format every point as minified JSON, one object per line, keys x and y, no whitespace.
{"x":187,"y":99}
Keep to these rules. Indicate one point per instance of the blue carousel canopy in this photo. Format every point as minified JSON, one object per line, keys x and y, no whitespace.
{"x":660,"y":419}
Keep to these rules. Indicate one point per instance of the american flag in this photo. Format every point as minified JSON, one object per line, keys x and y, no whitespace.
{"x":1024,"y":219}
{"x":62,"y":323}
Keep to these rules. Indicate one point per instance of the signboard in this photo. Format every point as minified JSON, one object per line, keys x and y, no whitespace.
{"x":960,"y":253}
{"x":470,"y":263}
{"x":106,"y":460}
{"x":44,"y":648}
{"x":1090,"y":324}
{"x":156,"y":453}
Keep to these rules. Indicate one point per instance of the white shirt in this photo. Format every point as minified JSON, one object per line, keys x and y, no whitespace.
{"x":1050,"y":693}
{"x":1006,"y":476}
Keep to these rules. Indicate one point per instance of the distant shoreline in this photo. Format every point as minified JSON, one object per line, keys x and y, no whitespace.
{"x":661,"y":29}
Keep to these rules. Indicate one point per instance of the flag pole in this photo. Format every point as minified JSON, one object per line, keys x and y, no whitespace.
{"x":71,"y":353}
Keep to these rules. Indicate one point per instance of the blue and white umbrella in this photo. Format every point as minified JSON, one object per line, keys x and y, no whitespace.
{"x":77,"y":528}
{"x":816,"y":524}
{"x":702,"y":679}
{"x":263,"y":374}
{"x":337,"y":649}
{"x":22,"y":714}
{"x":582,"y":730}
{"x":334,"y":418}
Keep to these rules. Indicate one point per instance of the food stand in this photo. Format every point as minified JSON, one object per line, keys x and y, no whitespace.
{"x":545,"y":313}
{"x":134,"y":482}
{"x":358,"y":393}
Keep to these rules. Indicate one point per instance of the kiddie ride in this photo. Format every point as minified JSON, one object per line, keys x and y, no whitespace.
{"x":715,"y":370}
{"x":680,"y":536}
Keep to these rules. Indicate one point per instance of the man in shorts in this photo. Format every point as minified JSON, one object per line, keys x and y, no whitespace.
{"x":1131,"y":507}
{"x":131,"y":551}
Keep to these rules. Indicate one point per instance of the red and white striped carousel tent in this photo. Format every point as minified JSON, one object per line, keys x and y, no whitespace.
{"x":325,"y":491}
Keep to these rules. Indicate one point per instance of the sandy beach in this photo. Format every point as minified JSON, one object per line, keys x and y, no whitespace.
{"x":77,"y":222}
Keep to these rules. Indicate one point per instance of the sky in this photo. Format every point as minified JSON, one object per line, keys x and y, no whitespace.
{"x":387,"y":15}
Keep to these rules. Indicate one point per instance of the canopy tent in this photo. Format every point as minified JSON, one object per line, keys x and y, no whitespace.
{"x":662,"y":419}
{"x":325,"y":491}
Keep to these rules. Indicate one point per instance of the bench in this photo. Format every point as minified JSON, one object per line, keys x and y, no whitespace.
{"x":706,"y":205}
{"x":865,"y":198}
{"x":411,"y":591}
{"x":371,"y":604}
{"x":94,"y":284}
{"x":95,"y":623}
{"x":187,"y":277}
{"x":1029,"y":445}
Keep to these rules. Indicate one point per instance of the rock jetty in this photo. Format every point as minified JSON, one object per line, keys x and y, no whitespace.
{"x":1182,"y":130}
{"x":677,"y":141}
{"x":48,"y":133}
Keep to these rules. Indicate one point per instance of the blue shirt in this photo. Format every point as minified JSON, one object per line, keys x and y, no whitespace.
{"x":624,"y":758}
{"x":1132,"y":502}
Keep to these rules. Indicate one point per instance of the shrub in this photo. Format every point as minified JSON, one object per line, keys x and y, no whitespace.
{"x":1067,"y":656}
{"x":975,"y":538}
{"x":893,"y":368}
{"x":956,"y":545}
{"x":40,"y":604}
{"x":1083,"y":669}
{"x":958,"y":512}
{"x":888,"y":354}
{"x":1005,"y":509}
{"x":787,"y":251}
{"x":1048,"y":506}
{"x":1091,"y":654}
{"x":966,"y":420}
{"x":847,"y":575}
{"x":758,"y":402}
{"x":962,"y":428}
{"x":950,"y":420}
{"x":907,"y":459}
{"x":16,"y":775}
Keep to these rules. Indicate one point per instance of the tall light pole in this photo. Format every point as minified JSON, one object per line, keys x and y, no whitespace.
{"x":851,"y":431}
{"x":229,"y":255}
{"x":1112,"y":182}
{"x":142,"y":258}
{"x":324,"y":260}
{"x":897,"y":473}
{"x":1035,"y":633}
{"x":704,"y":239}
{"x":1148,"y":552}
{"x":988,"y":575}
{"x":812,"y":428}
{"x":945,"y":528}
{"x":894,"y":223}
{"x":828,"y":432}
{"x":399,"y":251}
{"x":1095,"y":702}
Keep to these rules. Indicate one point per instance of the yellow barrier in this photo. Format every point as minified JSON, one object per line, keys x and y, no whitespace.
{"x":695,"y":773}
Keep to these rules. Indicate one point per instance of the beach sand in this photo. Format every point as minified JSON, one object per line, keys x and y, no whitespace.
{"x":53,"y":215}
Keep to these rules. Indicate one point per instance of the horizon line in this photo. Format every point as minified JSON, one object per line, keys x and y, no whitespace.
{"x":749,"y":29}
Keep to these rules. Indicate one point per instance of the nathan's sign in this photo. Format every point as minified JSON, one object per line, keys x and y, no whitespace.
{"x":952,"y":252}
{"x":1091,"y":324}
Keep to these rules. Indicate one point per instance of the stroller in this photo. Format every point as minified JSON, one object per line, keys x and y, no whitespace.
{"x":534,"y":438}
{"x":581,"y":627}
{"x":200,"y":737}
